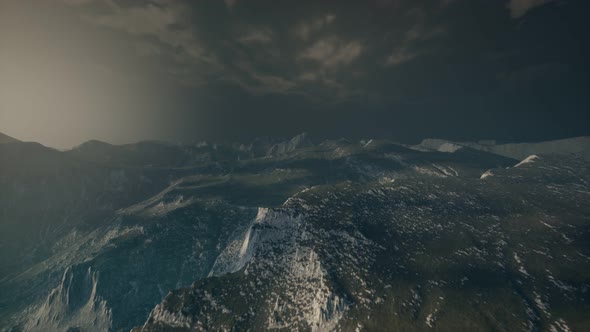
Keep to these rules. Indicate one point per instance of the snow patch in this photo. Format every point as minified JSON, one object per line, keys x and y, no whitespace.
{"x":543,"y":306}
{"x":431,"y":318}
{"x":559,"y":326}
{"x":427,"y":171}
{"x":521,"y":268}
{"x":440,"y":145}
{"x":487,"y":174}
{"x":448,"y":147}
{"x":527,"y":160}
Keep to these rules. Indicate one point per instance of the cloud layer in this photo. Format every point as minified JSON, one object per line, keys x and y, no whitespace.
{"x":236,"y":68}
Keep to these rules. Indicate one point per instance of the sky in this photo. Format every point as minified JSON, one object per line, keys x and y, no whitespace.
{"x":185,"y":71}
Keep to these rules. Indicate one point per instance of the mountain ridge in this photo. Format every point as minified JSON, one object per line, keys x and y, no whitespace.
{"x":317,"y":236}
{"x":7,"y":139}
{"x":573,"y":145}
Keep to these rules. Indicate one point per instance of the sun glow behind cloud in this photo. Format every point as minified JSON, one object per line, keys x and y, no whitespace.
{"x":66,"y":84}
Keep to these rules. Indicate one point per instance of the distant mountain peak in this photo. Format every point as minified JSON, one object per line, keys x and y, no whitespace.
{"x":297,"y":142}
{"x":301,"y":140}
{"x":93,"y":143}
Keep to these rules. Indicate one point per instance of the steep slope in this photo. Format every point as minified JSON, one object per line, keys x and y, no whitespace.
{"x":298,"y":142}
{"x":118,"y":272}
{"x":6,"y":139}
{"x":30,"y":159}
{"x":447,"y":253}
{"x":45,"y":192}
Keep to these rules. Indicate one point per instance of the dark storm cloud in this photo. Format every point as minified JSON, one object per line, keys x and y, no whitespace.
{"x":396,"y":68}
{"x":321,"y":51}
{"x":281,"y":48}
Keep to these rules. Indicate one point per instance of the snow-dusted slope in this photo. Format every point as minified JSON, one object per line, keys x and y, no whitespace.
{"x":433,"y":144}
{"x":527,"y":160}
{"x":239,"y":252}
{"x":426,"y":252}
{"x":113,"y":276}
{"x":281,"y":271}
{"x":300,"y":141}
{"x":337,"y":236}
{"x":73,"y":304}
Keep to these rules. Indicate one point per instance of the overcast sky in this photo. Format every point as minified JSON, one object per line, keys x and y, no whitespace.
{"x":124,"y":71}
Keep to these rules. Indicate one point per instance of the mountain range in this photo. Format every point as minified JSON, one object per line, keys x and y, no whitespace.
{"x":295,"y":235}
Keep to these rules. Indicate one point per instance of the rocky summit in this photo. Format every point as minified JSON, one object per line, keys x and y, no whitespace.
{"x":340,"y":235}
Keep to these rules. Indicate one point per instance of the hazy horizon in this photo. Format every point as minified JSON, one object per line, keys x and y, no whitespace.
{"x":121,"y":72}
{"x":279,"y":138}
